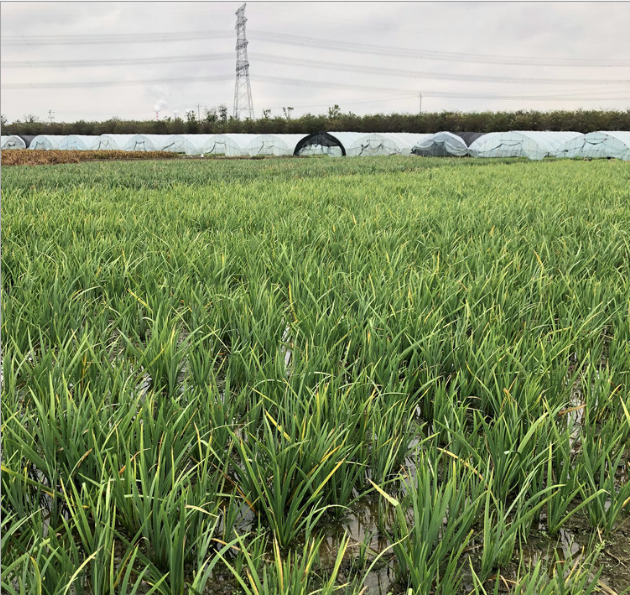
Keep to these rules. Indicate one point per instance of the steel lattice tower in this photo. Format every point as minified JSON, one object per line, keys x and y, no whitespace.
{"x":243,"y":104}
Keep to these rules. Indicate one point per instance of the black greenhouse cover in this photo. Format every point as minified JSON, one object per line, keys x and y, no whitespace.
{"x":469,"y":137}
{"x":27,"y":138}
{"x":321,"y":139}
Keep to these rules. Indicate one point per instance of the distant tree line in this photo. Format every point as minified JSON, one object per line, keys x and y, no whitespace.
{"x":217,"y":121}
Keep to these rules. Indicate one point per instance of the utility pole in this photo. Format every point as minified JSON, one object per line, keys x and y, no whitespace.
{"x":243,"y":104}
{"x":420,"y":105}
{"x":198,"y":114}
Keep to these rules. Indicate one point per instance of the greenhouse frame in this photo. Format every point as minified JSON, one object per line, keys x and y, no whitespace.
{"x":46,"y":142}
{"x":520,"y":143}
{"x":598,"y":145}
{"x":78,"y":142}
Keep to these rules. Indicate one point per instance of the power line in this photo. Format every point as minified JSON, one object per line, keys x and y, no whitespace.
{"x":111,"y":38}
{"x":429,"y":75}
{"x":273,"y":59}
{"x":138,"y":9}
{"x":299,"y":40}
{"x":440,"y":94}
{"x":346,"y":46}
{"x":117,"y":83}
{"x":321,"y":84}
{"x":115,"y":61}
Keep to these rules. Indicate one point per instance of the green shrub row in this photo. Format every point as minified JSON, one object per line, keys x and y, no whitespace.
{"x":578,"y":121}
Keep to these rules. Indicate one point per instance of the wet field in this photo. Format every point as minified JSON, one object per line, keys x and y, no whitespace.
{"x":385,"y":375}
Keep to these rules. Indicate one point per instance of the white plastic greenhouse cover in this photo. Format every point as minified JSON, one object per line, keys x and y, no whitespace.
{"x":13,"y":142}
{"x":520,"y":143}
{"x":274,"y":144}
{"x":178,"y":143}
{"x":145,"y":142}
{"x":112,"y":142}
{"x":404,"y":140}
{"x":46,"y":142}
{"x":376,"y":143}
{"x":191,"y":144}
{"x":440,"y":144}
{"x":78,"y":142}
{"x":601,"y":144}
{"x":321,"y":150}
{"x":347,"y":139}
{"x":230,"y":145}
{"x":3,"y":138}
{"x":291,"y":140}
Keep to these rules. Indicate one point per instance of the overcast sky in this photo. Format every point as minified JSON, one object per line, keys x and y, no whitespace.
{"x":446,"y":51}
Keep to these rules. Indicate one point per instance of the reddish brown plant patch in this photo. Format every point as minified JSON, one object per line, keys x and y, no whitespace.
{"x":37,"y":157}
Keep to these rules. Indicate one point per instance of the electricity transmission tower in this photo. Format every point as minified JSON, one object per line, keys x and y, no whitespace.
{"x":243,"y":104}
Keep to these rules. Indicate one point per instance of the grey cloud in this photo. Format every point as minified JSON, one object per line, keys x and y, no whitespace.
{"x":588,"y":30}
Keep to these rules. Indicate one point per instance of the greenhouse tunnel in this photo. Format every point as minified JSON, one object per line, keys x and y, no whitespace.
{"x":178,"y":143}
{"x":520,"y":143}
{"x":347,"y":139}
{"x":405,"y":140}
{"x":112,"y":142}
{"x":277,"y":145}
{"x":598,"y":145}
{"x":194,"y":142}
{"x":46,"y":142}
{"x":78,"y":142}
{"x":228,"y":145}
{"x":13,"y":142}
{"x":445,"y":144}
{"x":377,"y":143}
{"x":440,"y":144}
{"x":320,"y":143}
{"x":145,"y":142}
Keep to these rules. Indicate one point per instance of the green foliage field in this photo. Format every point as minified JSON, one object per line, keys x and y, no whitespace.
{"x":205,"y":364}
